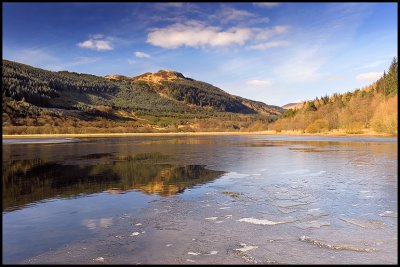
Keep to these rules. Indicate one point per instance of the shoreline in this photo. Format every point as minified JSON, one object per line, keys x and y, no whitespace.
{"x":283,"y":133}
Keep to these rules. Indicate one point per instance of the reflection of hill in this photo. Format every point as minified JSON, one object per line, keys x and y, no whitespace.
{"x":27,"y":181}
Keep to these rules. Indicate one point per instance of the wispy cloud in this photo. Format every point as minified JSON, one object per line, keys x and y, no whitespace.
{"x":267,"y":5}
{"x":173,"y":4}
{"x":267,"y":33}
{"x":259,"y":82}
{"x":97,"y":42}
{"x":132,"y":61}
{"x":33,"y":56}
{"x":369,"y":76}
{"x":329,"y":35}
{"x":140,"y":54}
{"x":302,"y":64}
{"x":73,"y":63}
{"x":372,"y":64}
{"x":229,"y":14}
{"x":266,"y":45}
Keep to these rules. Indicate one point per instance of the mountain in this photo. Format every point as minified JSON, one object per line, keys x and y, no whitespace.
{"x":293,"y":105}
{"x":166,"y":100}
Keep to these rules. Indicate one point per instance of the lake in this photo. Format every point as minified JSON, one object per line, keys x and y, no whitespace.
{"x":203,"y":199}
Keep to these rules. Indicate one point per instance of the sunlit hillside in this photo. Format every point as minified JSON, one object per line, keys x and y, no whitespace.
{"x":371,"y":108}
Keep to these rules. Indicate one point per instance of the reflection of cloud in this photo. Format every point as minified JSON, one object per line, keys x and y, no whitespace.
{"x":93,"y":224}
{"x":105,"y":222}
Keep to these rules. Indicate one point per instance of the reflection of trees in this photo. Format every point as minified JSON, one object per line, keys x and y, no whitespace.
{"x":27,"y":181}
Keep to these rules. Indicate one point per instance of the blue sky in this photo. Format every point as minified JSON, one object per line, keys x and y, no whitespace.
{"x":276,"y":53}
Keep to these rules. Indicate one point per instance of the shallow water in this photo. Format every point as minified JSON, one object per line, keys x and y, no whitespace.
{"x":206,"y":199}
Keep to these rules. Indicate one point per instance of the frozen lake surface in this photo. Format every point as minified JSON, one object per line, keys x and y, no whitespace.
{"x":205,"y":199}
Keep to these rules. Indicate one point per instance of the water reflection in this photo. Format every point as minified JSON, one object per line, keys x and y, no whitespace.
{"x":29,"y":181}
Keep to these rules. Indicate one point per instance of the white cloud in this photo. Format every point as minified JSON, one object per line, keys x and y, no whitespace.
{"x":369,"y":76}
{"x":196,"y":34}
{"x":142,"y":54}
{"x":267,"y":5}
{"x":264,"y":34}
{"x":267,"y":45}
{"x":96,"y":42}
{"x":258,"y":82}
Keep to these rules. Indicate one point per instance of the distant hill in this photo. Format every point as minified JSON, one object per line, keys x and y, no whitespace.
{"x":373,"y":107}
{"x":166,"y":100}
{"x":293,"y":105}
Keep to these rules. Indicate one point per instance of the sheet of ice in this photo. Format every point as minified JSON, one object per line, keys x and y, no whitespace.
{"x":388,"y":213}
{"x":245,"y":247}
{"x":262,"y":221}
{"x":317,"y":212}
{"x":99,"y":259}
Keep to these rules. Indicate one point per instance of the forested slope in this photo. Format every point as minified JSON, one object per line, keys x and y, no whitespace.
{"x":374,"y":108}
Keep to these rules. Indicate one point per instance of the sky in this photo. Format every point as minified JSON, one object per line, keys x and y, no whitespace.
{"x":277,"y":53}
